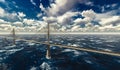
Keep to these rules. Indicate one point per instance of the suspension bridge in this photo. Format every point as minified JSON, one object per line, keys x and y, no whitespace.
{"x":48,"y":53}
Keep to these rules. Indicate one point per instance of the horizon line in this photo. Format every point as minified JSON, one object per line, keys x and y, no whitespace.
{"x":63,"y":33}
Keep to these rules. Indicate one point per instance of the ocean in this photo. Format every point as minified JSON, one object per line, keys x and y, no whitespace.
{"x":31,"y":56}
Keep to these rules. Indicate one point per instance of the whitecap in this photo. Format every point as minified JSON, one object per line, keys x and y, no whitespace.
{"x":2,"y":51}
{"x":77,"y":53}
{"x":8,"y":47}
{"x":75,"y":45}
{"x":33,"y":68}
{"x":117,"y":60}
{"x":105,"y":49}
{"x":69,"y":44}
{"x":67,"y":50}
{"x":45,"y":66}
{"x":31,"y":44}
{"x":110,"y":45}
{"x":62,"y":41}
{"x":110,"y":41}
{"x":84,"y":43}
{"x":92,"y":40}
{"x":53,"y":47}
{"x":13,"y":51}
{"x":88,"y":61}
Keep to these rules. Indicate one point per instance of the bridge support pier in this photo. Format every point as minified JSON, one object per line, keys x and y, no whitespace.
{"x":48,"y":54}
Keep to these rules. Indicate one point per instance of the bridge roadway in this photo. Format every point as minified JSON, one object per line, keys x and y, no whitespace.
{"x":74,"y":47}
{"x":77,"y":48}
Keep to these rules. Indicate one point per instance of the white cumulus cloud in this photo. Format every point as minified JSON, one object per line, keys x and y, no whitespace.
{"x":2,"y":1}
{"x":21,"y":14}
{"x":32,"y":1}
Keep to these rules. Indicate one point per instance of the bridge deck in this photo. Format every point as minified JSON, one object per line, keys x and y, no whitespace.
{"x":80,"y":48}
{"x":73,"y":47}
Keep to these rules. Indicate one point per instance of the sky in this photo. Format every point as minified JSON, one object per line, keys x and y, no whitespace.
{"x":62,"y":15}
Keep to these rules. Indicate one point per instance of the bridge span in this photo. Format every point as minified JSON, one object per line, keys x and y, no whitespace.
{"x":75,"y":48}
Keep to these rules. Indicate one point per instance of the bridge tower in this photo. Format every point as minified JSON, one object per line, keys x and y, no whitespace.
{"x":48,"y":53}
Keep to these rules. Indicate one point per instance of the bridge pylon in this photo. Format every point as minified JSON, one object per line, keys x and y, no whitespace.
{"x":48,"y":53}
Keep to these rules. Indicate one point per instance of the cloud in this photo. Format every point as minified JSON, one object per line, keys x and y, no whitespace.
{"x":26,"y":25}
{"x":3,"y":21}
{"x":2,"y":12}
{"x":18,"y":24}
{"x":3,"y":1}
{"x":63,"y":16}
{"x":34,"y":25}
{"x":59,"y":7}
{"x":63,"y":28}
{"x":88,"y":17}
{"x":60,"y":23}
{"x":49,"y":19}
{"x":21,"y":14}
{"x":80,"y":22}
{"x":108,"y":21}
{"x":39,"y":15}
{"x":87,"y":23}
{"x":114,"y":20}
{"x":60,"y":12}
{"x":29,"y":21}
{"x":91,"y":20}
{"x":5,"y":27}
{"x":43,"y":9}
{"x":109,"y":6}
{"x":75,"y":28}
{"x":108,"y":28}
{"x":9,"y":16}
{"x":32,"y":1}
{"x":89,"y":14}
{"x":30,"y":29}
{"x":55,"y":27}
{"x":66,"y":18}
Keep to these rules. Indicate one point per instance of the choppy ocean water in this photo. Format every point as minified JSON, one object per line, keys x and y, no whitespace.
{"x":31,"y":56}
